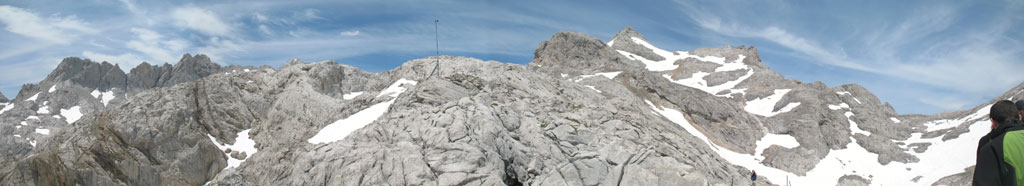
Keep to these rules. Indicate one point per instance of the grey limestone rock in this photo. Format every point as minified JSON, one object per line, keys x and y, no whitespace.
{"x":624,"y":41}
{"x":550,"y":122}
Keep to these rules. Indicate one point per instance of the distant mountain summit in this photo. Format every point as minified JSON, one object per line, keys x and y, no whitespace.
{"x":583,"y":112}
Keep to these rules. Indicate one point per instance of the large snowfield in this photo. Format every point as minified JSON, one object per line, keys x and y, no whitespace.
{"x":941,"y":159}
{"x":340,"y":129}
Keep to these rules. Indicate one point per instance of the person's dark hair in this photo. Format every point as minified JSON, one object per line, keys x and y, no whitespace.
{"x":1003,"y":111}
{"x":1020,"y":104}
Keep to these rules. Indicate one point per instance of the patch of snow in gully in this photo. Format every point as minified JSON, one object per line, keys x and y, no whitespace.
{"x":340,"y":129}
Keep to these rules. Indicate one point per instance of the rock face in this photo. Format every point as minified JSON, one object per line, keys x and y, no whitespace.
{"x":3,"y":99}
{"x":583,"y":112}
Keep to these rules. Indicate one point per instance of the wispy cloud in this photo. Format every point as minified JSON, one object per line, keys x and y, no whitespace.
{"x":57,"y":29}
{"x":155,"y":46}
{"x":201,"y":20}
{"x":350,"y":33}
{"x":922,"y":47}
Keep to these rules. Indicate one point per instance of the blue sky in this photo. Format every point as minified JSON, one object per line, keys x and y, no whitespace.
{"x":923,"y":57}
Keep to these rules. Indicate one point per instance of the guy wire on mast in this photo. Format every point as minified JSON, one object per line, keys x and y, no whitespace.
{"x":437,"y":50}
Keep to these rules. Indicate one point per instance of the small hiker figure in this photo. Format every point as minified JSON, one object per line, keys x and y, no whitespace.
{"x":753,"y":177}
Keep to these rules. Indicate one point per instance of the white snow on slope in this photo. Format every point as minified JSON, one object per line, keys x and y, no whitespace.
{"x":351,"y":95}
{"x":4,"y":107}
{"x":765,"y":106}
{"x":52,"y":88}
{"x":942,"y":158}
{"x":769,"y":139}
{"x":854,"y":128}
{"x":609,"y":75}
{"x":894,"y":120}
{"x":396,"y":88}
{"x":242,"y":144}
{"x":839,"y":106}
{"x":33,"y":98}
{"x":677,"y":117}
{"x":104,"y":97}
{"x":851,"y":95}
{"x":592,"y":87}
{"x":45,"y":109}
{"x":71,"y":114}
{"x":43,"y":131}
{"x":950,"y":123}
{"x":697,"y":81}
{"x":670,"y":57}
{"x":340,"y":129}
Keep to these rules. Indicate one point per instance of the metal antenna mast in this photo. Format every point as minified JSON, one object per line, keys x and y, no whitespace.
{"x":437,"y":63}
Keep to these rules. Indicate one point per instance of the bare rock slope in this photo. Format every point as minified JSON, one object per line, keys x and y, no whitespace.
{"x":583,"y":112}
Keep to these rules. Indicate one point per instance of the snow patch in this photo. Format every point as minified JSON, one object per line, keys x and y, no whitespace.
{"x":45,"y":109}
{"x":851,"y":95}
{"x":950,"y":123}
{"x":243,"y":143}
{"x":840,"y":106}
{"x":5,"y":107}
{"x":32,"y":117}
{"x":894,"y":120}
{"x":43,"y":131}
{"x":697,"y":81}
{"x":677,"y":117}
{"x":396,"y":88}
{"x":942,"y":158}
{"x":339,"y":129}
{"x":765,"y":106}
{"x":592,"y":87}
{"x":52,"y":88}
{"x":351,"y":95}
{"x":33,"y":98}
{"x":71,"y":114}
{"x":769,"y":139}
{"x":854,"y":128}
{"x":104,"y":97}
{"x":609,"y":75}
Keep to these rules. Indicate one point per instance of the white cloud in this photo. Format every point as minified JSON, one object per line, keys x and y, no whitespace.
{"x":126,"y":61}
{"x":155,"y":47}
{"x":130,"y":5}
{"x":57,"y":29}
{"x":309,"y":14}
{"x":350,"y":33}
{"x":968,"y":63}
{"x":219,"y":49}
{"x":265,"y":30}
{"x":260,"y":17}
{"x":201,"y":20}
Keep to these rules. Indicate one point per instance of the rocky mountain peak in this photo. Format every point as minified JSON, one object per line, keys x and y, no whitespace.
{"x":572,"y":53}
{"x":87,"y":73}
{"x":190,"y":68}
{"x":628,"y":33}
{"x":293,"y":61}
{"x":3,"y":99}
